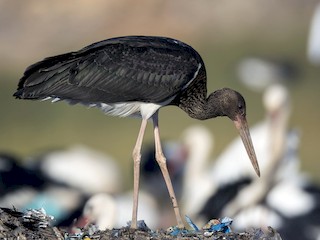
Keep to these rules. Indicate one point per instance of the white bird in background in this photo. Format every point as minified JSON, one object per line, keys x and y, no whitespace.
{"x":313,"y":47}
{"x":196,"y":185}
{"x":26,"y":188}
{"x":82,"y":168}
{"x":150,"y":172}
{"x":107,"y":211}
{"x":72,"y":176}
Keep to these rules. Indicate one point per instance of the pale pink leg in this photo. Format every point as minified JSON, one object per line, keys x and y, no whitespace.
{"x":163,"y":166}
{"x":136,"y":172}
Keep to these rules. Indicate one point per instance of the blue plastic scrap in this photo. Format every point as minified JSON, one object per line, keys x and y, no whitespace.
{"x":191,"y":224}
{"x":214,"y":225}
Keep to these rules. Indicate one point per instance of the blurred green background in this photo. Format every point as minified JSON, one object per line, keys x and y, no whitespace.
{"x":224,"y":32}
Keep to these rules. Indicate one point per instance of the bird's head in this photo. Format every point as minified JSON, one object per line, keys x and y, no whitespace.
{"x":227,"y":102}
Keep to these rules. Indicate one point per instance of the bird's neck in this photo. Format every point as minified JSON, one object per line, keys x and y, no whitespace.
{"x":194,"y":100}
{"x":203,"y":107}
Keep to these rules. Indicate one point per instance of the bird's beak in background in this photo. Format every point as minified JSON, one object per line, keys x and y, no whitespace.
{"x":82,"y":222}
{"x":242,"y":126}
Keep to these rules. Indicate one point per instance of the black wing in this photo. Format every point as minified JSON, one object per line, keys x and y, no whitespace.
{"x":135,"y":68}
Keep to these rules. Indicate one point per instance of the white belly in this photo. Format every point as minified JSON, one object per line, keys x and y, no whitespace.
{"x":124,"y":109}
{"x":132,"y":109}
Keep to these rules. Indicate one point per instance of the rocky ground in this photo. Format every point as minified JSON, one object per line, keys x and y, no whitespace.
{"x":36,"y":225}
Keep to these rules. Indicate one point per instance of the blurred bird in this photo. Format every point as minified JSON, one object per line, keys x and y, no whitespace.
{"x":108,"y":211}
{"x":24,"y":188}
{"x":196,"y":188}
{"x":81,"y":168}
{"x":18,"y":184}
{"x":14,"y":175}
{"x":175,"y":154}
{"x":63,"y":203}
{"x":72,"y":175}
{"x":313,"y":48}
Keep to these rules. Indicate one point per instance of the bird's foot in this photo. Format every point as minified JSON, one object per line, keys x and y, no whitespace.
{"x":141,"y":225}
{"x":175,"y":230}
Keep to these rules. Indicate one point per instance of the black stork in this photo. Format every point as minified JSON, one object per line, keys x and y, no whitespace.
{"x":136,"y":76}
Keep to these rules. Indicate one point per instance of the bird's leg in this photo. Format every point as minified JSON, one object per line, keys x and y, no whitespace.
{"x":136,"y":172}
{"x":163,"y":166}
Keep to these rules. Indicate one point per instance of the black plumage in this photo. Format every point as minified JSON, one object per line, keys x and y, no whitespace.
{"x":135,"y":68}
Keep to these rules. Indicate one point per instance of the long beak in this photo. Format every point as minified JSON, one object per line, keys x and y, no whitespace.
{"x":242,"y":126}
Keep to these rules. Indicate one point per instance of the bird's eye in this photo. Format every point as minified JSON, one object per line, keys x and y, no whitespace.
{"x":241,"y":108}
